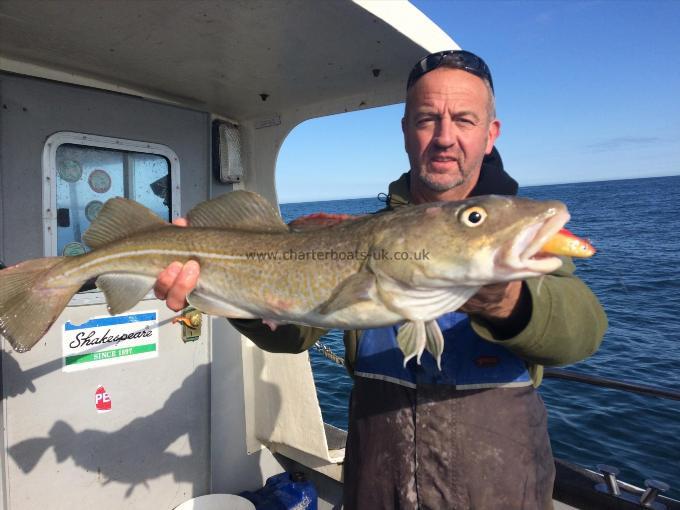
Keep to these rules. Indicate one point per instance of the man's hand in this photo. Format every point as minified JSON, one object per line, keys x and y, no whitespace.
{"x":506,"y":306}
{"x":177,"y":280}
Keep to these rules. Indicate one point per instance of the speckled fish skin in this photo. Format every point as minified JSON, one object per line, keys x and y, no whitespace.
{"x":412,"y":264}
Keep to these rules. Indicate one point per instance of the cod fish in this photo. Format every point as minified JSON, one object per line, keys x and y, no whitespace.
{"x":410,"y":265}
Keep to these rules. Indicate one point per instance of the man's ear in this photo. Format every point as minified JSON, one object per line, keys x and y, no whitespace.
{"x":494,"y":132}
{"x":403,"y":130}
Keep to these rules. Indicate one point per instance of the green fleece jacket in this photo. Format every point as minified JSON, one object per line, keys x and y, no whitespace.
{"x":567,"y":322}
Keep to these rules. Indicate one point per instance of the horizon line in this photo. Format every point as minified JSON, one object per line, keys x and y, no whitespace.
{"x":521,"y":186}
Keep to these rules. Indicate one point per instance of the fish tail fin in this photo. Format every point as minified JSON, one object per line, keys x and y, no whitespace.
{"x":28,"y":309}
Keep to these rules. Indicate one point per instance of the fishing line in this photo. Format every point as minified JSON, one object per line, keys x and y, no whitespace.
{"x":540,"y":283}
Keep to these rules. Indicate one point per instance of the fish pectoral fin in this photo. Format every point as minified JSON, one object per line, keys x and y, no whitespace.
{"x":119,"y":218}
{"x":124,"y":290}
{"x":240,"y":209}
{"x":434,"y":341}
{"x":211,"y":305}
{"x":355,"y":289}
{"x":412,"y":339}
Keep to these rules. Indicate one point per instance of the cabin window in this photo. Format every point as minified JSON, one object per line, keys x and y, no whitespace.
{"x":83,"y":171}
{"x":88,"y":176}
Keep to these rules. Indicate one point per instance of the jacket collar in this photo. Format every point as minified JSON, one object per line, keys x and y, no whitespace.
{"x":492,"y":180}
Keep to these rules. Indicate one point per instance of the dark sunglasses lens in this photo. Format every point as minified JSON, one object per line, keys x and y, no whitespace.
{"x":460,"y":59}
{"x":466,"y":61}
{"x":426,"y":65}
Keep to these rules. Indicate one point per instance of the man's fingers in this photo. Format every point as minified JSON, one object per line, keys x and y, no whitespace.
{"x":166,"y":280}
{"x":184,"y":283}
{"x":180,"y":222}
{"x":488,"y":298}
{"x":176,"y":282}
{"x":495,"y":301}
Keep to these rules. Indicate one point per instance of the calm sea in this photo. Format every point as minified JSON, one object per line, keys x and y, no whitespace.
{"x":635,"y":225}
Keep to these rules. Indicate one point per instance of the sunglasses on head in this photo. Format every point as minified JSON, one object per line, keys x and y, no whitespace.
{"x":455,"y":59}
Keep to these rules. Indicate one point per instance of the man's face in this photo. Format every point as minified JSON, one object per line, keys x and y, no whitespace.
{"x":447,"y":130}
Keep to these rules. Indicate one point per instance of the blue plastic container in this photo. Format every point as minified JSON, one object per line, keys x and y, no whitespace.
{"x":285,"y":491}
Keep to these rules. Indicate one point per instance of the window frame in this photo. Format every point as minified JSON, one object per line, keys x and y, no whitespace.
{"x":49,"y":177}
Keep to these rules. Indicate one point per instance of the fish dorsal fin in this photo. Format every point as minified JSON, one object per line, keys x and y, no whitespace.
{"x":243,"y":210}
{"x":119,"y":218}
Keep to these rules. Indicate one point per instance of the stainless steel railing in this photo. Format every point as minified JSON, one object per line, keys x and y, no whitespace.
{"x":643,"y":389}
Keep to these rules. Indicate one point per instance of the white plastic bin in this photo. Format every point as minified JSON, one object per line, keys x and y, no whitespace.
{"x":217,"y":502}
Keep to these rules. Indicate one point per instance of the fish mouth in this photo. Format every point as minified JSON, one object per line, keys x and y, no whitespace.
{"x":525,"y":253}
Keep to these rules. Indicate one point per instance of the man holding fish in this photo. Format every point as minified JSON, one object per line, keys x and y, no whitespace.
{"x":443,"y":412}
{"x":472,"y":434}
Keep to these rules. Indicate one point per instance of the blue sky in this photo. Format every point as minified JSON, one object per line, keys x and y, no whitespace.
{"x":585,"y":91}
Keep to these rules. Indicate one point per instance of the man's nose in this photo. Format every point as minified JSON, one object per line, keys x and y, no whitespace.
{"x":445,"y":135}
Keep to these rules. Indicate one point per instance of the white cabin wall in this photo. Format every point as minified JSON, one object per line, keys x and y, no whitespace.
{"x":53,"y":437}
{"x":33,"y":109}
{"x":232,"y":468}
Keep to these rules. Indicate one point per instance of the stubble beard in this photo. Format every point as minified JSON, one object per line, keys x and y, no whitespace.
{"x":430,"y":182}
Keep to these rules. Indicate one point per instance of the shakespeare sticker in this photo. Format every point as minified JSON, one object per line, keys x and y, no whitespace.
{"x":109,"y":340}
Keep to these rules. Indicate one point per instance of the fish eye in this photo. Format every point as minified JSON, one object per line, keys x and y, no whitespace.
{"x":473,"y":216}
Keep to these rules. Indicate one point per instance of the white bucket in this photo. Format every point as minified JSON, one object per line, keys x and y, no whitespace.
{"x":217,"y":502}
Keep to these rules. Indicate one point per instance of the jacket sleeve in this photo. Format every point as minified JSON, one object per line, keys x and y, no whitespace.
{"x":288,"y":338}
{"x":567,"y":321}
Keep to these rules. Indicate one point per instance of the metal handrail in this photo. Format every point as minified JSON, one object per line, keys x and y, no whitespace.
{"x":643,"y":389}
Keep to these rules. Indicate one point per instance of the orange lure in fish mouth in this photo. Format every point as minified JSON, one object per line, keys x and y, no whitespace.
{"x":566,"y":243}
